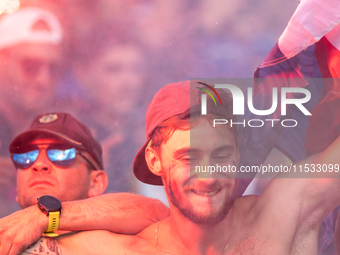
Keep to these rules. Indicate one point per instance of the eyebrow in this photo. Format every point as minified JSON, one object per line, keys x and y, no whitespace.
{"x":182,"y":151}
{"x":188,"y":150}
{"x":224,"y":148}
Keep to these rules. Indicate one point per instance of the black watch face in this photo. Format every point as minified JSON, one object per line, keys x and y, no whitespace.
{"x":49,"y":202}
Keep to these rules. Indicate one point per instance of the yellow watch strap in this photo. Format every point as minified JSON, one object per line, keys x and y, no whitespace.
{"x":53,"y":223}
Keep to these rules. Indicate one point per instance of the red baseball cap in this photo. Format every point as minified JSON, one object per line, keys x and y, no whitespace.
{"x":64,"y":126}
{"x":171,"y":100}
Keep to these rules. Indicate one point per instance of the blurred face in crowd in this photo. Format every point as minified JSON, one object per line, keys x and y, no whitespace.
{"x":116,"y":77}
{"x":29,"y":74}
{"x":76,"y":181}
{"x":199,"y":196}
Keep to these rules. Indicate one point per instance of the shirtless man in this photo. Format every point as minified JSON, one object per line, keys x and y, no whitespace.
{"x":205,"y":215}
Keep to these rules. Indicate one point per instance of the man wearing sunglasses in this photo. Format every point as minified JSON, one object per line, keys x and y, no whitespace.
{"x":31,"y":57}
{"x":57,"y":156}
{"x":58,"y":160}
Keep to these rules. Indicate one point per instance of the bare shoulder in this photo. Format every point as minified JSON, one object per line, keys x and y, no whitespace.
{"x":246,"y":204}
{"x":246,"y":209}
{"x":271,"y":206}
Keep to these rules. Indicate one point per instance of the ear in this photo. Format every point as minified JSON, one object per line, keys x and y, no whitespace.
{"x":99,"y":182}
{"x":153,"y":160}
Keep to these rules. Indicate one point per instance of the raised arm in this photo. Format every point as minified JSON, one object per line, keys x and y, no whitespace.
{"x":124,"y":213}
{"x":309,"y":198}
{"x":298,"y":205}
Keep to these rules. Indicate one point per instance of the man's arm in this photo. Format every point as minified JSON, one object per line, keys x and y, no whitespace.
{"x":302,"y":203}
{"x":123,"y":213}
{"x":117,"y":212}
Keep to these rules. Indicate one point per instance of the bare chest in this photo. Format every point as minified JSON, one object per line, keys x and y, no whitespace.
{"x":252,"y":246}
{"x":268,"y":246}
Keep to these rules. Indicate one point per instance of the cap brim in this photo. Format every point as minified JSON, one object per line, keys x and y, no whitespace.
{"x":30,"y":135}
{"x":141,"y":169}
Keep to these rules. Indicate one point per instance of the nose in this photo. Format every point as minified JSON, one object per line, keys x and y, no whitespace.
{"x":206,"y":179}
{"x":208,"y":171}
{"x":203,"y":171}
{"x":42,"y":163}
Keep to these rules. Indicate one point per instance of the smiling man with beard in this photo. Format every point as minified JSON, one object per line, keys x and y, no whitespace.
{"x":198,"y":197}
{"x":206,"y":217}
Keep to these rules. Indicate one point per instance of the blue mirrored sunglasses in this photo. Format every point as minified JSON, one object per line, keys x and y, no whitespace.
{"x":59,"y":157}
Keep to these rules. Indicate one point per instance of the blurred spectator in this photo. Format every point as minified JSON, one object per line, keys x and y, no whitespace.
{"x":31,"y":61}
{"x":107,"y":89}
{"x":30,"y":67}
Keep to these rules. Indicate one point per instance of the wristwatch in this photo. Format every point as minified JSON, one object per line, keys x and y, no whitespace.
{"x":51,"y":206}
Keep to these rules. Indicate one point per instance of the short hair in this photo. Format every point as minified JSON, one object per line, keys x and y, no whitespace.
{"x":163,"y":132}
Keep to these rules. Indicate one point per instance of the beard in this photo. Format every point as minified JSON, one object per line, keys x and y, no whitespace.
{"x":213,"y":216}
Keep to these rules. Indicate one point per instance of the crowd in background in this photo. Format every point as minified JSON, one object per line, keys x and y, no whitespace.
{"x":114,"y":55}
